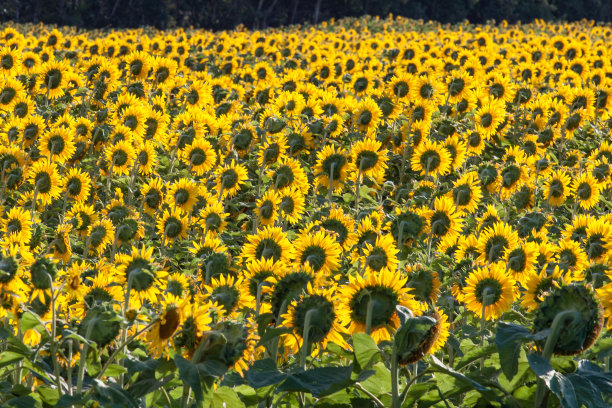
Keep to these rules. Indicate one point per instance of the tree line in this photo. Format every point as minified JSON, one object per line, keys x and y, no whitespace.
{"x":259,"y":14}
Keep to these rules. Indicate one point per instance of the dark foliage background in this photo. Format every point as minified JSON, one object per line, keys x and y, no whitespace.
{"x":226,"y":14}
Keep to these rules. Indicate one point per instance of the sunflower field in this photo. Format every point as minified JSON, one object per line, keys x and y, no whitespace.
{"x":365,"y":213}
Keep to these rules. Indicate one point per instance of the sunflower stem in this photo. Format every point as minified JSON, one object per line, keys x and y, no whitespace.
{"x":306,"y":338}
{"x":330,"y":191}
{"x":53,"y":342}
{"x":34,"y":197}
{"x":405,"y":154}
{"x":395,"y":398}
{"x":560,"y":321}
{"x":370,"y":310}
{"x":486,"y":295}
{"x":358,"y":187}
{"x":83,"y":358}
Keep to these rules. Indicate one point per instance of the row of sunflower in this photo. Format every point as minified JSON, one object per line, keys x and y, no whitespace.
{"x":213,"y":201}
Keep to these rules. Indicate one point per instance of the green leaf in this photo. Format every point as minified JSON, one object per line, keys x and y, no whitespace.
{"x":322,"y":381}
{"x":48,"y":395}
{"x":474,"y":355}
{"x":146,"y":386}
{"x":26,"y":401}
{"x":439,"y":366}
{"x":365,"y":349}
{"x":264,"y":373}
{"x":198,"y":376}
{"x":508,"y":340}
{"x":67,"y":401}
{"x":10,"y":357}
{"x":115,"y":370}
{"x":555,"y":381}
{"x":273,"y":333}
{"x":224,"y":397}
{"x":416,"y":391}
{"x":586,"y":392}
{"x":29,"y":321}
{"x":380,"y":382}
{"x":111,"y":394}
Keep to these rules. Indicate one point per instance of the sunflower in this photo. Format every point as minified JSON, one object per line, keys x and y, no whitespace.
{"x":172,"y":225}
{"x":425,"y":88}
{"x":57,"y":145}
{"x":138,"y":64}
{"x":570,"y":255}
{"x":512,"y":177}
{"x":367,"y":116}
{"x":121,"y":157}
{"x":213,"y":218}
{"x":171,"y":317}
{"x":17,"y":222}
{"x":314,"y":316}
{"x":54,"y":77}
{"x":332,"y":167}
{"x":46,"y":180}
{"x":196,"y":322}
{"x":495,"y":241}
{"x":522,"y":260}
{"x":431,"y":158}
{"x":423,"y":282}
{"x":587,"y":190}
{"x":369,"y":159}
{"x":342,"y":225}
{"x":152,"y":195}
{"x":319,"y":250}
{"x":231,"y":178}
{"x":538,"y":284}
{"x":200,"y":156}
{"x":77,"y":184}
{"x":267,"y":207}
{"x":10,"y":61}
{"x":375,"y":296}
{"x":441,"y":330}
{"x":466,"y":192}
{"x":598,"y":242}
{"x":229,"y":293}
{"x":183,"y":194}
{"x":11,"y":92}
{"x":81,"y":216}
{"x":489,"y":292}
{"x":143,"y":277}
{"x":62,"y":249}
{"x":269,"y":243}
{"x":488,"y":117}
{"x":557,"y":188}
{"x":292,"y":204}
{"x":146,"y":158}
{"x":444,"y":221}
{"x":100,"y":234}
{"x":381,"y":255}
{"x":399,"y":86}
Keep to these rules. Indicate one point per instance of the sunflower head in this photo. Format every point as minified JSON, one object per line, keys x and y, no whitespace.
{"x":583,"y":329}
{"x":101,"y":325}
{"x":415,"y":336}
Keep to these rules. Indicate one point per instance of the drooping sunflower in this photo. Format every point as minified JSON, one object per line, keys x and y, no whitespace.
{"x":152,"y":195}
{"x":172,"y":225}
{"x":172,"y":315}
{"x":495,"y":241}
{"x":231,"y":178}
{"x":377,"y":295}
{"x":103,"y":288}
{"x":314,"y":316}
{"x":196,"y":321}
{"x":423,"y":282}
{"x":319,"y":250}
{"x":489,"y":291}
{"x":269,"y":243}
{"x":369,"y":159}
{"x":430,"y":158}
{"x":332,"y":167}
{"x":62,"y":248}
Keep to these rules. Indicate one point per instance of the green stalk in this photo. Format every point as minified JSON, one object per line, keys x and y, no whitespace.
{"x":558,"y":323}
{"x":370,"y":310}
{"x":306,"y":340}
{"x":394,"y":386}
{"x":83,"y":358}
